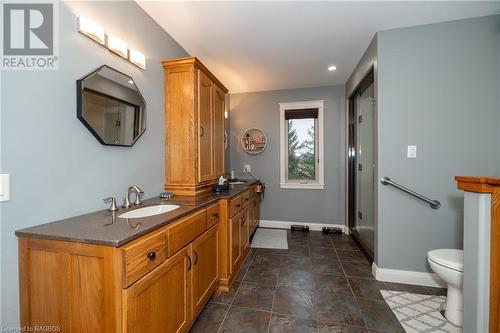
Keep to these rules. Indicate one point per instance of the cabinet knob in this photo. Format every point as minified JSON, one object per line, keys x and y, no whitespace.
{"x":215,"y":215}
{"x":151,"y":255}
{"x":202,"y":131}
{"x":238,"y":205}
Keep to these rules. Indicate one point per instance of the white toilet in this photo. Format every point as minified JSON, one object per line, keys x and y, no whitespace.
{"x":448,"y":264}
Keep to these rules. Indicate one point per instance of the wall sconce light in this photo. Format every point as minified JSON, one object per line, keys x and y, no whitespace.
{"x":226,"y":114}
{"x":96,"y":32}
{"x":117,"y":45}
{"x":91,"y":29}
{"x":137,"y":58}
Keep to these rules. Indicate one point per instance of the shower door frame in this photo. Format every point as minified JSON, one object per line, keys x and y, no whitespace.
{"x":367,"y":80}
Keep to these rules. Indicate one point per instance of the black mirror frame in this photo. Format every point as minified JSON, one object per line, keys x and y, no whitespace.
{"x":79,"y":109}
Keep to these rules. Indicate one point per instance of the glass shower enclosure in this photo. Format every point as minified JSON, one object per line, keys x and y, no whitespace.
{"x":362,"y":164}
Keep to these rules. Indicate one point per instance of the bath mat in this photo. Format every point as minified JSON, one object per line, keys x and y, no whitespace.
{"x":419,"y":313}
{"x":270,"y":239}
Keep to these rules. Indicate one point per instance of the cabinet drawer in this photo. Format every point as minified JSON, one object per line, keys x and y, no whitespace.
{"x":251,"y":190}
{"x":245,"y":198}
{"x":143,"y":255}
{"x":235,"y":206}
{"x":213,"y":215}
{"x":182,"y":232}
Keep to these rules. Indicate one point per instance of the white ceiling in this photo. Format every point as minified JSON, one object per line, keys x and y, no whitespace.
{"x":256,"y":46}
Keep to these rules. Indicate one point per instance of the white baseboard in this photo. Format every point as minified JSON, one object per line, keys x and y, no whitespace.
{"x":288,"y":224}
{"x":408,"y":277}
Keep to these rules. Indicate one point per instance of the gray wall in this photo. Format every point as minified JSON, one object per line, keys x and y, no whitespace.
{"x":261,"y":109}
{"x":438,"y":88}
{"x":58,"y":169}
{"x":367,"y":62}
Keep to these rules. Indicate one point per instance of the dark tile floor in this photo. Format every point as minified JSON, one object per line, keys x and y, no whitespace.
{"x":321,"y":284}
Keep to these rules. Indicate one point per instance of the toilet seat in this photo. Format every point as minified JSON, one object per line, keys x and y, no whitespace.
{"x":449,"y":258}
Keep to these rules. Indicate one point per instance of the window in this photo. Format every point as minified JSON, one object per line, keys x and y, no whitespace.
{"x":301,"y":145}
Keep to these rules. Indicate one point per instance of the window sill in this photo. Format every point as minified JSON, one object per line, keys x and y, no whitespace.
{"x":302,"y":186}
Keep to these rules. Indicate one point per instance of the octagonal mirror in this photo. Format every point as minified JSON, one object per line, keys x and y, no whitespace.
{"x":111,"y":106}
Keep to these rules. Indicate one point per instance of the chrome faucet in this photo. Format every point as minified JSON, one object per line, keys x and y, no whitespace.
{"x":138,"y":194}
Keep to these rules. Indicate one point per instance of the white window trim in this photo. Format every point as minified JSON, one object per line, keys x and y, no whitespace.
{"x":320,"y":185}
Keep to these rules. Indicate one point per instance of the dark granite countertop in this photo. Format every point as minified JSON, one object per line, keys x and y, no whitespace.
{"x":106,"y":228}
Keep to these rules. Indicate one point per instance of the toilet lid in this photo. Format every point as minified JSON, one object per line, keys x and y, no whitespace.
{"x":450,"y":258}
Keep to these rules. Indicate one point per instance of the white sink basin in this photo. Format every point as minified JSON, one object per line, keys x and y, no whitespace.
{"x":148,"y":211}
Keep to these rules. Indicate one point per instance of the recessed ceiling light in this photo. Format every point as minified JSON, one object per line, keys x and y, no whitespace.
{"x":130,"y":81}
{"x":332,"y":68}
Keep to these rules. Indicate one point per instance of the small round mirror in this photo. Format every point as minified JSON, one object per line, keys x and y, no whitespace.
{"x":254,"y":141}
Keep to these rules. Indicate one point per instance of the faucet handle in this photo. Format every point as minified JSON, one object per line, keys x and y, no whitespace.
{"x":138,"y":197}
{"x":126,"y":202}
{"x":111,"y":200}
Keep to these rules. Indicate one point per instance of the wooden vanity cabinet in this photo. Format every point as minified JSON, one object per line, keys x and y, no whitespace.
{"x":169,"y":298}
{"x":157,"y":283}
{"x":142,"y":256}
{"x":213,"y":215}
{"x":245,"y":230}
{"x":160,"y":301}
{"x":204,"y":275}
{"x":219,"y":109}
{"x":194,"y":127}
{"x":205,"y":128}
{"x":235,"y":252}
{"x":239,"y":239}
{"x":239,"y":219}
{"x":254,"y":212}
{"x":74,"y":286}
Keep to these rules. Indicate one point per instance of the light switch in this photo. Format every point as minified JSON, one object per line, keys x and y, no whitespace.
{"x":412,"y":151}
{"x":247,"y":168}
{"x":4,"y":187}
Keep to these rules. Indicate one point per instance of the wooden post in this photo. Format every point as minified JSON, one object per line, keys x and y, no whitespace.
{"x":490,"y":186}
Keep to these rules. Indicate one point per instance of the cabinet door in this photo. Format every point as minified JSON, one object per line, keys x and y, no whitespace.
{"x":252,"y":214}
{"x":235,"y":230}
{"x":205,"y":269}
{"x":159,"y":302}
{"x":245,"y":231}
{"x":205,"y":128}
{"x":70,"y":285}
{"x":258,"y":199}
{"x":218,"y":131}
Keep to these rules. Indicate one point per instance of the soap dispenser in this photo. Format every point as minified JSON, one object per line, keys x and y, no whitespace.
{"x":222,"y":185}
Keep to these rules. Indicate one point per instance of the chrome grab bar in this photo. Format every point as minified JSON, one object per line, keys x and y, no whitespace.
{"x":433,"y":203}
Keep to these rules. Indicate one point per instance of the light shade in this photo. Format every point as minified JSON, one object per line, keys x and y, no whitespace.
{"x":117,"y":45}
{"x":91,"y":29}
{"x":137,"y":58}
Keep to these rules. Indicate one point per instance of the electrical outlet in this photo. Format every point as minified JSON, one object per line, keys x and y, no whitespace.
{"x":412,"y":151}
{"x":247,"y":168}
{"x":4,"y":187}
